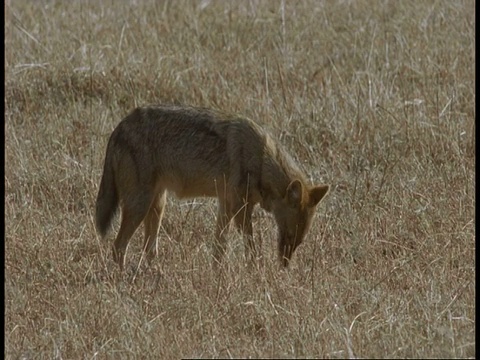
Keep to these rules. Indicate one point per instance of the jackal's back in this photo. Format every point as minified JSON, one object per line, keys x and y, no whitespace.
{"x":184,"y":149}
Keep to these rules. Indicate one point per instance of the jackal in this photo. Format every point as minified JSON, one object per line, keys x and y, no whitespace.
{"x":196,"y":152}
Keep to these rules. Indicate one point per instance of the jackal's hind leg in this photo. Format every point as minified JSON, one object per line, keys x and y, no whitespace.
{"x":133,"y":212}
{"x":152,"y":223}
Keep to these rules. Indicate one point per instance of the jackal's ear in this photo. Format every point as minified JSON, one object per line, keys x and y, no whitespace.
{"x":294,"y":193}
{"x":317,"y":193}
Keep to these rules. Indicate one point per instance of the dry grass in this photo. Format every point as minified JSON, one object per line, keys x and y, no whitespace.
{"x":375,"y":98}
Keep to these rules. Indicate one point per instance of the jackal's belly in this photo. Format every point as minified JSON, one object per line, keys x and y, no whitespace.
{"x":190,"y":187}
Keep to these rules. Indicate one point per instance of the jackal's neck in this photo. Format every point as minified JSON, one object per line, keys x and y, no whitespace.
{"x":278,"y":171}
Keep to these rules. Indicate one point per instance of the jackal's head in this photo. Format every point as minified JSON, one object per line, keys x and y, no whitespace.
{"x":294,"y":215}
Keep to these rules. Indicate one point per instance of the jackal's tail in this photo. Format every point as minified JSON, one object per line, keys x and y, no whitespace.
{"x":107,"y":199}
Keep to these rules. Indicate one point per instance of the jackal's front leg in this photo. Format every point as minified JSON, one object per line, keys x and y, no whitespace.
{"x":243,"y":221}
{"x":223,"y":223}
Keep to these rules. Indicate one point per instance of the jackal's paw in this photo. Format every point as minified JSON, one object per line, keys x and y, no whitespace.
{"x":118,"y":257}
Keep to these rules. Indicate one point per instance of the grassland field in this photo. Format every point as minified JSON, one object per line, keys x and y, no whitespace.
{"x":373,"y":97}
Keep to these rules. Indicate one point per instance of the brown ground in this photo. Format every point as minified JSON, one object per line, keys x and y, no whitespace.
{"x":373,"y":97}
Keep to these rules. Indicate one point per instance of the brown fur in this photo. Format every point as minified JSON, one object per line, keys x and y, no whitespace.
{"x":199,"y":152}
